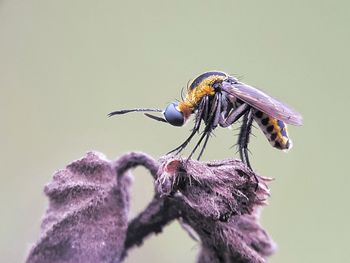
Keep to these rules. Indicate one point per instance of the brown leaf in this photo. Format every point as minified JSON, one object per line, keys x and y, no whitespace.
{"x":217,"y":203}
{"x":87,"y":216}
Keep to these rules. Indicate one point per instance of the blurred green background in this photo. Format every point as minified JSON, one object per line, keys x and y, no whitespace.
{"x":65,"y":64}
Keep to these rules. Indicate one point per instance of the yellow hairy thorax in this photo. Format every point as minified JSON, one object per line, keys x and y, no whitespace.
{"x":194,"y":96}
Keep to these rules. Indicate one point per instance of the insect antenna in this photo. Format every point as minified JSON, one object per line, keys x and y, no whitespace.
{"x":120,"y":112}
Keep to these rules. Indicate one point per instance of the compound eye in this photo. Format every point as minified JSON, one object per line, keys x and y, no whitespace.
{"x":173,"y":115}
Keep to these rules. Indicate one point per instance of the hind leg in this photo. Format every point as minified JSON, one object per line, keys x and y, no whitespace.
{"x":243,"y":138}
{"x":243,"y":141}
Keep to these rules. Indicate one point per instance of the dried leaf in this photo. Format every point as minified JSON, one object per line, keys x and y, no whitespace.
{"x":218,"y":204}
{"x":87,"y":216}
{"x":220,"y":201}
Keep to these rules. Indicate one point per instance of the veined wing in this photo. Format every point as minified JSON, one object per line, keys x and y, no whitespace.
{"x":263,"y":102}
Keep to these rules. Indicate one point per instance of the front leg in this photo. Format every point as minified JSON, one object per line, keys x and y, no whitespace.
{"x":202,"y":109}
{"x":211,"y":120}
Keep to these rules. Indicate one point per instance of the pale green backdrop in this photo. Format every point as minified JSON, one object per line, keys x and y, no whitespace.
{"x":65,"y":64}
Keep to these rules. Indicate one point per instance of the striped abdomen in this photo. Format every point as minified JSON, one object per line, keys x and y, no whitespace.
{"x":274,"y":130}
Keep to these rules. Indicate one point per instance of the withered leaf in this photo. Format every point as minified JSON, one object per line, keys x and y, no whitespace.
{"x":87,"y":216}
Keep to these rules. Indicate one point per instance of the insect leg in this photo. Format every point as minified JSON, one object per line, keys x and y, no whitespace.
{"x":206,"y":111}
{"x":234,"y":115}
{"x":217,"y":112}
{"x":209,"y":124}
{"x":205,"y":133}
{"x":243,"y":138}
{"x":202,"y":107}
{"x":213,"y":124}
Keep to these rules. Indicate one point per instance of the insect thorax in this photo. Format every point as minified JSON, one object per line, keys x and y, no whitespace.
{"x":199,"y":88}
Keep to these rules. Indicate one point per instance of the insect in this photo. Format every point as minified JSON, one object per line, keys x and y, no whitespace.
{"x":218,"y":99}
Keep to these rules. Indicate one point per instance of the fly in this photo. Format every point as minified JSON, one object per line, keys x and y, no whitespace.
{"x":218,"y":99}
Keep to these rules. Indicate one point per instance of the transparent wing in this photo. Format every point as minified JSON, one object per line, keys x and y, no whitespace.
{"x":263,"y":102}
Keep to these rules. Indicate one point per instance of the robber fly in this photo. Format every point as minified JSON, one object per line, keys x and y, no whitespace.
{"x":218,"y":99}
